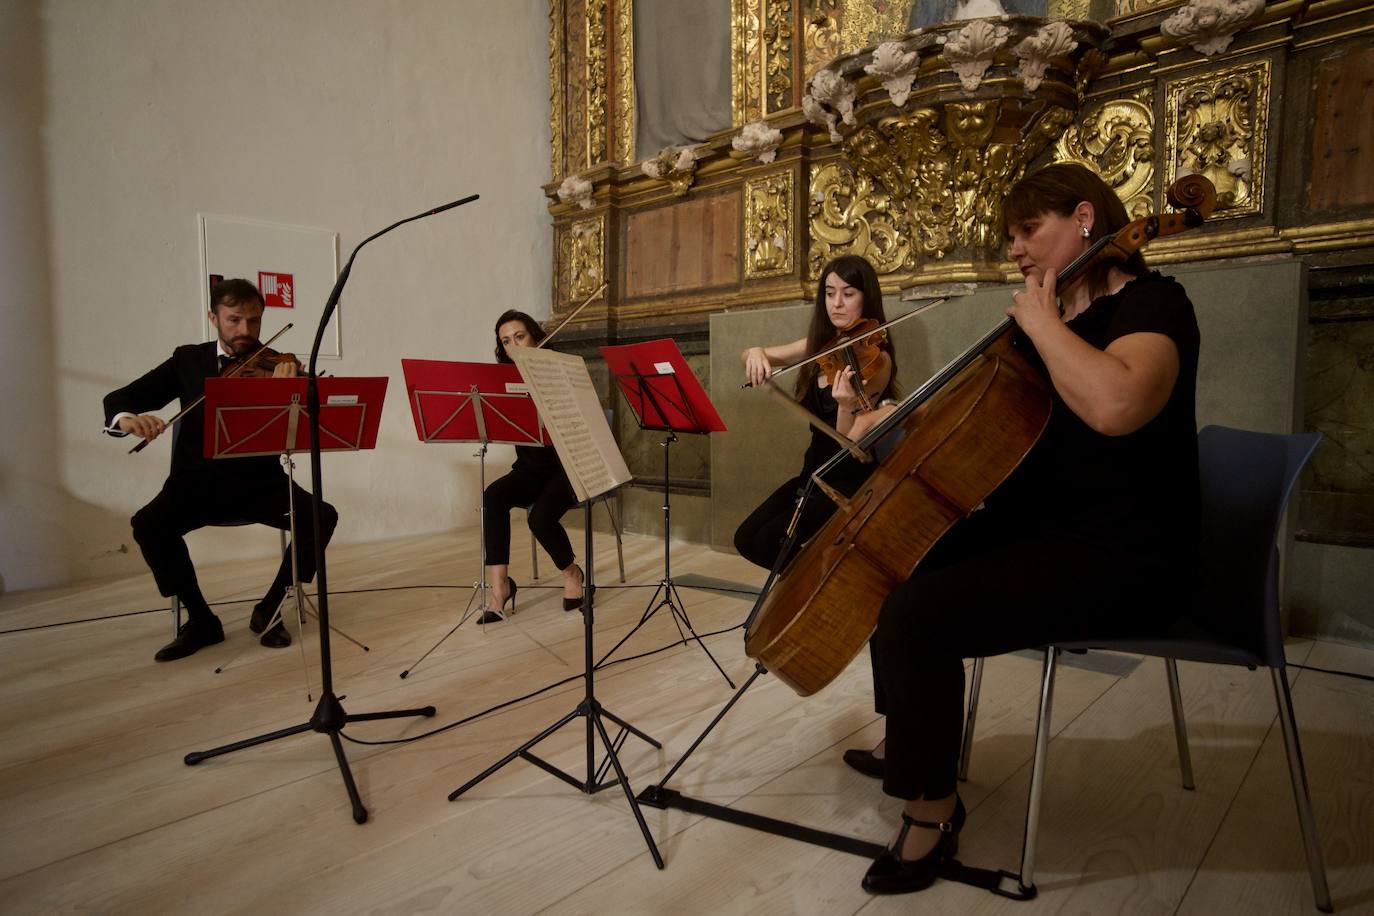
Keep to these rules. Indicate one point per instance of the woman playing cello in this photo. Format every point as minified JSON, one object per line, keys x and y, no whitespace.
{"x":1094,"y":535}
{"x":847,"y":294}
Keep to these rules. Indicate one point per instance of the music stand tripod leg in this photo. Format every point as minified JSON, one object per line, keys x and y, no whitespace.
{"x":593,"y":712}
{"x":672,"y":599}
{"x":480,"y":587}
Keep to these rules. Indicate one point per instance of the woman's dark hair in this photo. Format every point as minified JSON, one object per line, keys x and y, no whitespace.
{"x":1059,"y":189}
{"x":531,"y":326}
{"x":858,"y":273}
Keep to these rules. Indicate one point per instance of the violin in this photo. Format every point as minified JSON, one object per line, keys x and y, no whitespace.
{"x":861,"y":355}
{"x":262,"y":363}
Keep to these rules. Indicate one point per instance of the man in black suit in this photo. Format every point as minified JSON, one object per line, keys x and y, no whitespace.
{"x":200,"y":491}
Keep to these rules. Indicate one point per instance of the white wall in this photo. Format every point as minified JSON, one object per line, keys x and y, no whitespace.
{"x":342,"y":114}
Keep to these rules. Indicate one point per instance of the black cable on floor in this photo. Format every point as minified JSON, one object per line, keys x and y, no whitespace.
{"x":350,"y":591}
{"x":1349,"y":674}
{"x":567,"y":680}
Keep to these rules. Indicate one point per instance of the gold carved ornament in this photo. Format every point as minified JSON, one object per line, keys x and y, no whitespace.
{"x":947,"y":174}
{"x":1115,"y":139}
{"x":582,"y":251}
{"x":866,"y":22}
{"x":556,"y":65}
{"x":778,"y":51}
{"x":820,"y":35}
{"x":596,"y":82}
{"x":848,"y":215}
{"x":1215,"y":127}
{"x":746,"y":69}
{"x":768,"y":209}
{"x":624,"y":81}
{"x":575,"y":143}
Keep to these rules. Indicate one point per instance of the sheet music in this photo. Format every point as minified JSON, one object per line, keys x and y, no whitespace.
{"x":568,"y":405}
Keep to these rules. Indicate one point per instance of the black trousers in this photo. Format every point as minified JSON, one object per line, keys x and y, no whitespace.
{"x":984,"y":590}
{"x":546,"y":495}
{"x":760,"y":536}
{"x":210,"y":495}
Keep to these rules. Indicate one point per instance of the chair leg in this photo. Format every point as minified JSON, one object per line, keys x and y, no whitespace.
{"x":966,"y":752}
{"x":1297,"y":773}
{"x":534,"y":557}
{"x":1185,"y":758}
{"x":1042,"y":746}
{"x":176,"y":616}
{"x":615,"y":526}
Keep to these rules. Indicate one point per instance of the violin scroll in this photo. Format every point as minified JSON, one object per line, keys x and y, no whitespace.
{"x":1193,"y":192}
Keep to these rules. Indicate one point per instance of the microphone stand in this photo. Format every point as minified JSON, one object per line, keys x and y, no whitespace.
{"x":329,"y":717}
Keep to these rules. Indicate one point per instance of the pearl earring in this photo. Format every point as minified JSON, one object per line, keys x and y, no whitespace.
{"x":1085,"y":231}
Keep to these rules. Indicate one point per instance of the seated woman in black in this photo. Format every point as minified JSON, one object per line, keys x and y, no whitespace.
{"x":1094,"y":535}
{"x":848,"y":292}
{"x":536,"y":482}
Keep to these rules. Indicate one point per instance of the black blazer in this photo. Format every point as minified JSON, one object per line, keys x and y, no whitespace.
{"x":182,"y":377}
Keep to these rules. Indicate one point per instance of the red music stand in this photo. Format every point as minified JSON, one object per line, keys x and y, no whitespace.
{"x":267,"y":416}
{"x":666,"y":396}
{"x":481,"y":403}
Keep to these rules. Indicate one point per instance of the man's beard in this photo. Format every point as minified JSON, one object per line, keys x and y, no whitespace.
{"x":240,"y":346}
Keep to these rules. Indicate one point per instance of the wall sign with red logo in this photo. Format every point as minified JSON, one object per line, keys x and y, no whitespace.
{"x":278,"y":289}
{"x":293,"y":265}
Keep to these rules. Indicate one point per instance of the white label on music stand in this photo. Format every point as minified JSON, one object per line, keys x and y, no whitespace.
{"x":663,"y":368}
{"x":517,"y":388}
{"x":340,"y":400}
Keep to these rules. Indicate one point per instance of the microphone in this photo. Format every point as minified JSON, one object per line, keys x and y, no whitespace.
{"x":457,"y":203}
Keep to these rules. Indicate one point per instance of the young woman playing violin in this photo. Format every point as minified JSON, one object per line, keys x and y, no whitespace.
{"x":1094,"y":535}
{"x":847,"y":295}
{"x":536,"y":482}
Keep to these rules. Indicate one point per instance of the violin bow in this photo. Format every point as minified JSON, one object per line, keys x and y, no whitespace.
{"x":232,"y":373}
{"x":571,"y":315}
{"x":849,"y":340}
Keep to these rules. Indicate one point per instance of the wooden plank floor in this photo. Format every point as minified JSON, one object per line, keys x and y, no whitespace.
{"x":99,"y":814}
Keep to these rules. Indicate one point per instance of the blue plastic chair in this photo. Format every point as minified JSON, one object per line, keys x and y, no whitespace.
{"x":1247,"y":479}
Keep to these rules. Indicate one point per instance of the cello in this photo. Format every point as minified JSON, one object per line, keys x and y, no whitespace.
{"x":979,"y":418}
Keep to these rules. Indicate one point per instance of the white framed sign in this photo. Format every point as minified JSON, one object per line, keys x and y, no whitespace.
{"x":293,"y":266}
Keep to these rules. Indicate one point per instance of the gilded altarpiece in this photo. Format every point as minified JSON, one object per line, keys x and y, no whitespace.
{"x":915,"y":186}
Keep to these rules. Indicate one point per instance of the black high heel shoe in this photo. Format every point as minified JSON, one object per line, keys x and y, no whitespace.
{"x":572,"y":604}
{"x":891,"y":874}
{"x":490,"y":616}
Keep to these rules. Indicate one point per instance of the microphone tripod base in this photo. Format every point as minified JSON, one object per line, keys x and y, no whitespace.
{"x":329,"y":719}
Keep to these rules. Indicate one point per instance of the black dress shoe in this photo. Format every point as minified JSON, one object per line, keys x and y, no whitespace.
{"x":891,"y":874}
{"x":865,"y":762}
{"x":489,"y":616}
{"x":263,"y":612}
{"x":193,"y":636}
{"x":279,"y":637}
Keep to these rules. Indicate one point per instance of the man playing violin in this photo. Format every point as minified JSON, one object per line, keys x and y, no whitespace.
{"x":200,"y":491}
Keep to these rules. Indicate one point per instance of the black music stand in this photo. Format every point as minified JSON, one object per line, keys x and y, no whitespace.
{"x":482,"y":403}
{"x":562,"y":389}
{"x":651,"y":377}
{"x":349,"y":416}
